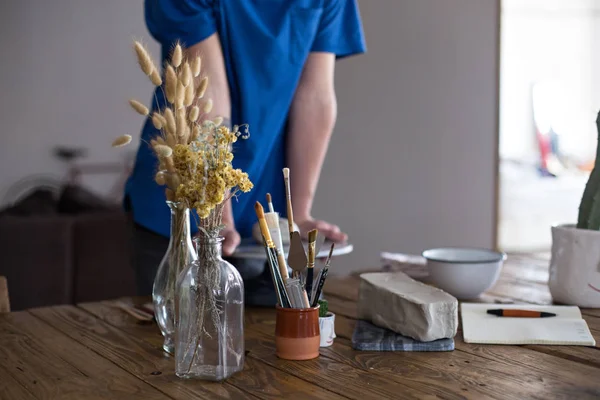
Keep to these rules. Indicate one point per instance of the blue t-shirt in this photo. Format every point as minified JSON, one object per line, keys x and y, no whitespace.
{"x":265,"y":44}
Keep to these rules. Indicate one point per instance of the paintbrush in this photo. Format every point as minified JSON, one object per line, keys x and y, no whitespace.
{"x":312,"y":238}
{"x":288,"y":195}
{"x":272,"y":258}
{"x":272,"y":219}
{"x":315,"y":298}
{"x":270,"y":203}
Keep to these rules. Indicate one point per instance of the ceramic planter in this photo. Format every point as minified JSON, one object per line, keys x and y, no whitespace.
{"x":575,"y":266}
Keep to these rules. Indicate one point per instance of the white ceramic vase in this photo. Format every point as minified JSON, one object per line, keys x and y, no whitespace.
{"x":327,"y":329}
{"x":575,"y":266}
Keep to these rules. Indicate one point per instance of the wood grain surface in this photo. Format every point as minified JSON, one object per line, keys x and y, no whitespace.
{"x":97,"y":351}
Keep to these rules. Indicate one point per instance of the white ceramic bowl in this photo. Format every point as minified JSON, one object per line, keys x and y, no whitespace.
{"x":465,"y":273}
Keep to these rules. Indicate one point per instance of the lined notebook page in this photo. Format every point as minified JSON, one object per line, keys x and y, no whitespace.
{"x":567,"y":328}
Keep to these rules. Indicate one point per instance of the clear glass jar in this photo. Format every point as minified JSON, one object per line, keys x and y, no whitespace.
{"x":210,"y":316}
{"x":178,"y":256}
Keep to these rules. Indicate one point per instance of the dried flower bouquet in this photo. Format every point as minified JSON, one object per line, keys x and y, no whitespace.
{"x":194,"y":156}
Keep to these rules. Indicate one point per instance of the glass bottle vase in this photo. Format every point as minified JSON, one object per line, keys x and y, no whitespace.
{"x":179,"y":254}
{"x":209,"y":341}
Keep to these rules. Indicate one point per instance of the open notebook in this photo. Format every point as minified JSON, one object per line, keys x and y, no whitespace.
{"x":567,"y":328}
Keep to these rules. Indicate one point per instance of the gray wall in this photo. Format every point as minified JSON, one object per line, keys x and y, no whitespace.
{"x":412,"y":162}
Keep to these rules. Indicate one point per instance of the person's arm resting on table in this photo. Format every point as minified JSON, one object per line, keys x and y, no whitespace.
{"x":314,"y":109}
{"x":312,"y":118}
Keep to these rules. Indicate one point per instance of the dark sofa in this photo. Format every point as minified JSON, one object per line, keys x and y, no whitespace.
{"x":74,"y":251}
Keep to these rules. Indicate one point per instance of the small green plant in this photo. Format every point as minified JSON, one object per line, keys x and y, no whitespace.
{"x":589,"y":209}
{"x":323,"y":308}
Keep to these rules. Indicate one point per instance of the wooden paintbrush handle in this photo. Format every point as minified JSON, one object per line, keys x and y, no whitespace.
{"x":282,"y":266}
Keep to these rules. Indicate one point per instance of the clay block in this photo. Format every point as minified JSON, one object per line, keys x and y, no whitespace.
{"x":394,"y":301}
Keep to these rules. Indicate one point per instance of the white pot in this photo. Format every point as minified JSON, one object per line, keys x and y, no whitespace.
{"x":575,"y":266}
{"x":327,"y":329}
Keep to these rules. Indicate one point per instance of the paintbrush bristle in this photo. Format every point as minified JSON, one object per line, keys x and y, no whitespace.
{"x":260,"y":212}
{"x":312,"y":235}
{"x":269,"y":200}
{"x":286,"y":173}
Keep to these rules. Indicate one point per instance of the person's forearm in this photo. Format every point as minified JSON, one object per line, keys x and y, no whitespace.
{"x":312,"y":118}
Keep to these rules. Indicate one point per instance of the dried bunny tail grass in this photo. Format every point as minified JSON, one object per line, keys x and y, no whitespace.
{"x":196,"y":66}
{"x":139,"y":107}
{"x":195,"y":133}
{"x":160,"y":178}
{"x":163,"y":151}
{"x":181,"y":122}
{"x":218,"y":121}
{"x":171,"y":140}
{"x":194,"y":114}
{"x":180,"y":95}
{"x":121,"y":141}
{"x":189,"y":95}
{"x":186,"y":74}
{"x":170,"y":84}
{"x":173,"y":181}
{"x":158,"y":121}
{"x":202,"y":87}
{"x":155,"y":78}
{"x":160,"y":140}
{"x":177,"y":56}
{"x":207,"y":106}
{"x":170,"y":119}
{"x":144,"y":58}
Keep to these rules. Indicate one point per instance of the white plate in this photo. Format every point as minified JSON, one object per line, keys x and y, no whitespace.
{"x":250,"y":249}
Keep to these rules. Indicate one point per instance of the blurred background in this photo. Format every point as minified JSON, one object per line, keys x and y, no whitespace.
{"x":446,"y":90}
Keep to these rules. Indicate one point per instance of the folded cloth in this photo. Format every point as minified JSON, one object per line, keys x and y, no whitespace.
{"x":368,"y":337}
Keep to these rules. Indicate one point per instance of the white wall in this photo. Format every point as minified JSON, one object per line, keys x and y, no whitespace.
{"x":68,"y":69}
{"x":549,"y":41}
{"x":411,"y":164}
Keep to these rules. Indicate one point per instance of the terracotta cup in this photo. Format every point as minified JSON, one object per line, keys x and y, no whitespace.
{"x":297,"y":333}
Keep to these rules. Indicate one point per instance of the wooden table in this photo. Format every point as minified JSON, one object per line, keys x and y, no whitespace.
{"x":96,"y":351}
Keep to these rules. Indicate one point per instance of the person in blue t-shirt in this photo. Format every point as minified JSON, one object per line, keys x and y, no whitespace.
{"x":270,"y":65}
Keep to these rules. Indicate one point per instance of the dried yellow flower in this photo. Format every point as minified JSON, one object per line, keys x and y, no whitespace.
{"x":122,"y":141}
{"x":202,"y":87}
{"x":208,"y":105}
{"x":194,"y":113}
{"x":177,"y":56}
{"x":155,"y":78}
{"x":139,"y":107}
{"x":196,"y":66}
{"x":170,"y":84}
{"x":144,"y":58}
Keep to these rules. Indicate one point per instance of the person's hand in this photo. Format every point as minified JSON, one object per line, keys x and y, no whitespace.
{"x":331,"y":231}
{"x":231,"y":240}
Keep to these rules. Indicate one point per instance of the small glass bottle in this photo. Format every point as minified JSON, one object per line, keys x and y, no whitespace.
{"x":209,"y":341}
{"x":178,"y":256}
